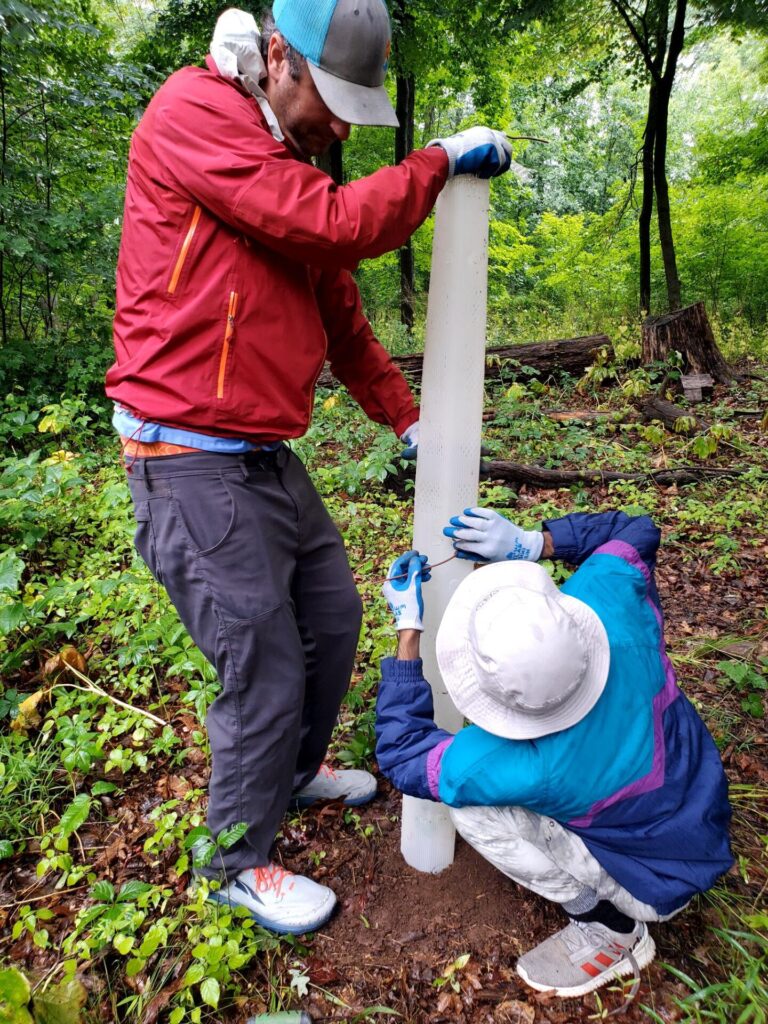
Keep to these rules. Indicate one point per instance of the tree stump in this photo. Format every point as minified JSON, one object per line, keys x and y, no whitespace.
{"x":688,"y":332}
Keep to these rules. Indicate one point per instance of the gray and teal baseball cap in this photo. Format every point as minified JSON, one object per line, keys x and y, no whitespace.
{"x":346,"y":44}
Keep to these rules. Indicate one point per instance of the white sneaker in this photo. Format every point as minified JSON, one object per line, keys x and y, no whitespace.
{"x":585,"y":955}
{"x":355,"y":787}
{"x":279,"y":900}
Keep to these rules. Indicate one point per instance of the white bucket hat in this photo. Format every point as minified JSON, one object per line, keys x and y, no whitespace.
{"x":518,"y":657}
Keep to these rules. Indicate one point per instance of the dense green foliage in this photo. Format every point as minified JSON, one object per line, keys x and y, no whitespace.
{"x":67,"y":107}
{"x":563,"y":242}
{"x":75,"y":75}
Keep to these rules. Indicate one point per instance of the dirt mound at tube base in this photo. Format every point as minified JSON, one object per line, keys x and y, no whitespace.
{"x":443,"y":948}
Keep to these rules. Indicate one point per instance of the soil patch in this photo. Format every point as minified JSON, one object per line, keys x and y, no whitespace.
{"x":399,"y":934}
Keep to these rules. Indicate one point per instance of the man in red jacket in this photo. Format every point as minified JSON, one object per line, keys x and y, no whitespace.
{"x":233,"y":287}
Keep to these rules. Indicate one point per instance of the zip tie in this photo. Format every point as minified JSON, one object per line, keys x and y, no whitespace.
{"x":527,"y":138}
{"x":402,"y":575}
{"x":629,"y":997}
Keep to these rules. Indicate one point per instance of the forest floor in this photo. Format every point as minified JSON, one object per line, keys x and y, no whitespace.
{"x":405,"y":945}
{"x":399,"y":931}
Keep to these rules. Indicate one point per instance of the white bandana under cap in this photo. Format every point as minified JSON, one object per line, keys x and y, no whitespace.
{"x":236,"y":51}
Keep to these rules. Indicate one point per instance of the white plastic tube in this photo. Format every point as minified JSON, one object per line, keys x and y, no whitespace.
{"x":449,"y":456}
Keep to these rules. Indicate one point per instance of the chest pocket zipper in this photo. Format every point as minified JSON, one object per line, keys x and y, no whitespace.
{"x":228,"y":335}
{"x":174,"y":281}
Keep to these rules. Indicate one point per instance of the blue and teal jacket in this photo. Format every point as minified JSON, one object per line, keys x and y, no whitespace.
{"x":639,"y":778}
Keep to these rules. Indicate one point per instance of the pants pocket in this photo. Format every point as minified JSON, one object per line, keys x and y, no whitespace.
{"x":232,"y":536}
{"x":206,"y":512}
{"x":144,"y":538}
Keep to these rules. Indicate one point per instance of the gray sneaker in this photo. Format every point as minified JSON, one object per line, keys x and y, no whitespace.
{"x":351,"y":785}
{"x":585,"y":955}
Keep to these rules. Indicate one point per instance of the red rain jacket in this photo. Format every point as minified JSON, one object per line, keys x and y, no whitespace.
{"x":233,"y":281}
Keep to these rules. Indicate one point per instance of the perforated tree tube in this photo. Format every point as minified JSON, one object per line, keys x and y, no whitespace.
{"x":448,"y":461}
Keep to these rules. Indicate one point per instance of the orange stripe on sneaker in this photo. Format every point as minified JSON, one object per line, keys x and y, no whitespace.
{"x":591,"y":970}
{"x":604,"y":959}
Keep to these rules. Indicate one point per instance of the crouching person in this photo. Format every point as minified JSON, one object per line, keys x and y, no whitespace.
{"x":585,"y":775}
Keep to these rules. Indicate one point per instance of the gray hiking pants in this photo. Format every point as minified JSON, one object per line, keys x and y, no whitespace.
{"x":258,"y":574}
{"x":542,"y":855}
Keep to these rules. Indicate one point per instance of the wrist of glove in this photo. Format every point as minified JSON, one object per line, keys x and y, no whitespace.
{"x":410,"y":437}
{"x":483,"y":152}
{"x":402,"y":590}
{"x":482,"y":535}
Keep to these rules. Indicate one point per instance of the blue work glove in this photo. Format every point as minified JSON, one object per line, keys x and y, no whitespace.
{"x":403,"y":589}
{"x":482,"y":535}
{"x":411,"y":438}
{"x":481,"y":151}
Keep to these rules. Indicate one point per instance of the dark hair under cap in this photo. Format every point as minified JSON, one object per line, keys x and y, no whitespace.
{"x":267,"y":28}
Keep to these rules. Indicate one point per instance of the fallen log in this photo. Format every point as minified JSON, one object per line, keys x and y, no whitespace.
{"x":537,"y":476}
{"x":674,"y":417}
{"x":591,"y":416}
{"x":621,"y":416}
{"x":579,"y":416}
{"x":565,"y":355}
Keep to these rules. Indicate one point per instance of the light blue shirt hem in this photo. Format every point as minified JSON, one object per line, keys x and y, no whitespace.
{"x":128,"y":425}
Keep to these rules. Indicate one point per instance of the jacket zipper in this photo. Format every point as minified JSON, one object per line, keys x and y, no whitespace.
{"x":174,"y":282}
{"x":230,"y":330}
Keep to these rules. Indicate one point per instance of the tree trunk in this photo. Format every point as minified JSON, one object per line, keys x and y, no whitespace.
{"x":46,"y":302}
{"x":688,"y":332}
{"x":662,"y":203}
{"x":676,"y":41}
{"x":407,"y":269}
{"x":404,"y":108}
{"x":568,"y":355}
{"x":657,"y":45}
{"x":405,"y":84}
{"x":646,"y":209}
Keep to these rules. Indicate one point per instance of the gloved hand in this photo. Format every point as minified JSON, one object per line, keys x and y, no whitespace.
{"x":403,"y":589}
{"x":482,"y":535}
{"x":481,"y":151}
{"x":411,"y":438}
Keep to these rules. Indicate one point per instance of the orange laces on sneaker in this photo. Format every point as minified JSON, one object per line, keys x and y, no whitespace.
{"x":273,"y":876}
{"x":327,"y":771}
